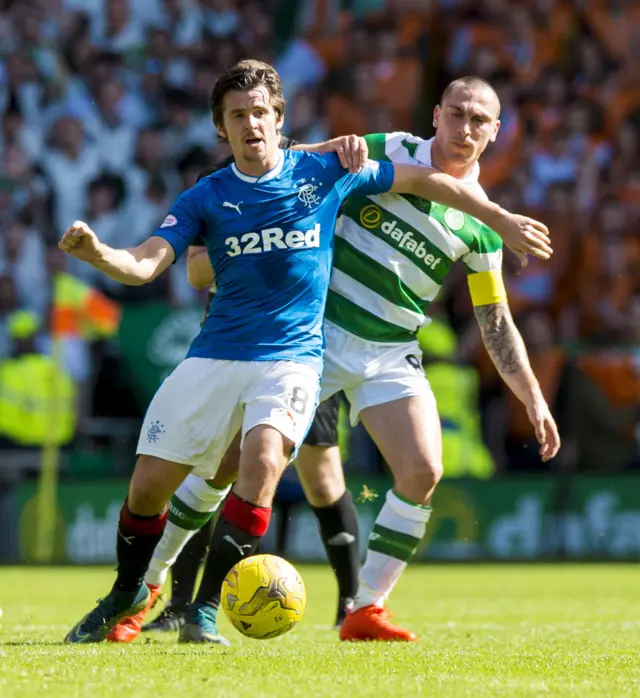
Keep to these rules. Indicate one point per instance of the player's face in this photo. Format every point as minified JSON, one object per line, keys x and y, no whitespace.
{"x":466,"y":123}
{"x":251,"y":125}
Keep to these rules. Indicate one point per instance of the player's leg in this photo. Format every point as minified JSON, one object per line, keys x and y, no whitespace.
{"x":399,"y":411}
{"x":191,"y":509}
{"x":184,"y":575}
{"x":142,"y":520}
{"x":170,"y":446}
{"x":320,"y":469}
{"x":243,"y":522}
{"x":407,"y":432}
{"x":191,"y":553}
{"x":279,"y":407}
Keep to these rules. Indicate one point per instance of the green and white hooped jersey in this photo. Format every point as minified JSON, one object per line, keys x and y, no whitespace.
{"x":393,"y":251}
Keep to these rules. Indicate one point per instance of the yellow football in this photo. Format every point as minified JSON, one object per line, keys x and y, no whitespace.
{"x":263,"y":596}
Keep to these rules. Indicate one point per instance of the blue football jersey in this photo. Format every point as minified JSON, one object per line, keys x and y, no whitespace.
{"x":270,"y":242}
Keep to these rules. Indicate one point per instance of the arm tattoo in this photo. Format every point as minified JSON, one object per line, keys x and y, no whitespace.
{"x":501,"y":337}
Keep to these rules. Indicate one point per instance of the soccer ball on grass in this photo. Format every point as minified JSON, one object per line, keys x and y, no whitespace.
{"x":263,"y":596}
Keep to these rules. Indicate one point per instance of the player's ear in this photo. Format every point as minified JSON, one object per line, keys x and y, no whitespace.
{"x":436,"y":116}
{"x":280,"y":122}
{"x":221,"y":133}
{"x":495,"y":132}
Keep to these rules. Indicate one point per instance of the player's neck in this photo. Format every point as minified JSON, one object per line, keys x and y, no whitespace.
{"x":257,"y":168}
{"x":453,"y":169}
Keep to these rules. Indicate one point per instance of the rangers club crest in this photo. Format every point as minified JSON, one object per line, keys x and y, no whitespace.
{"x":154,"y":431}
{"x":307,"y":192}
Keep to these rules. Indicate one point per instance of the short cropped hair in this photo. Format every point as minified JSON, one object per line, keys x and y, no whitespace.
{"x":471,"y":82}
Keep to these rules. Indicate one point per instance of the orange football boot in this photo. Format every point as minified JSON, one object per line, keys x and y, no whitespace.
{"x":372,"y":623}
{"x":128,"y":629}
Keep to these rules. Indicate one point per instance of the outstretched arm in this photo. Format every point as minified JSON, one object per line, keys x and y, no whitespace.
{"x":521,"y":234}
{"x":199,"y":270}
{"x":132,"y":266}
{"x":509,"y":355}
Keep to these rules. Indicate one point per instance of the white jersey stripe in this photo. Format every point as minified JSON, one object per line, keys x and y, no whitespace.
{"x":484,"y":261}
{"x":411,"y":247}
{"x":452,"y":246}
{"x":373,"y":303}
{"x":412,"y":276}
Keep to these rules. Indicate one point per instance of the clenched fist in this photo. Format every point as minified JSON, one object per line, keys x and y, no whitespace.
{"x":81,"y":242}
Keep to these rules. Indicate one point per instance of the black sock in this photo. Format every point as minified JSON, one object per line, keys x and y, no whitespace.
{"x":341,"y":538}
{"x":229,"y":545}
{"x":237,"y":535}
{"x":137,"y":539}
{"x":184,"y":572}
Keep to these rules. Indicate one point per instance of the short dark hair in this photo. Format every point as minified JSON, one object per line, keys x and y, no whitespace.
{"x":471,"y":82}
{"x":244,"y":76}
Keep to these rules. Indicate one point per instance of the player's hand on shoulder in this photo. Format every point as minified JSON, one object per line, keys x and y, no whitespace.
{"x":352,"y":152}
{"x":525,"y":236}
{"x":81,"y":242}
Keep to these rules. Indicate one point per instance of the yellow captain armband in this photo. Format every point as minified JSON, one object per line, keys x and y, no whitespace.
{"x":487,"y":287}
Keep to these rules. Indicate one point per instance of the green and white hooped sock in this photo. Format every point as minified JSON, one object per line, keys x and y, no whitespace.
{"x":193,"y":504}
{"x":396,"y":534}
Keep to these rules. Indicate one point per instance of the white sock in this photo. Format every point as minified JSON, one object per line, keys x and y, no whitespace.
{"x":396,"y":534}
{"x":193,"y":504}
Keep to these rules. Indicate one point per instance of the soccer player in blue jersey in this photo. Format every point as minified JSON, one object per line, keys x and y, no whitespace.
{"x":267,"y":222}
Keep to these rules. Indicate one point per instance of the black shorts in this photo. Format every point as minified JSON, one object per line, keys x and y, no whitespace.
{"x":324,"y":428}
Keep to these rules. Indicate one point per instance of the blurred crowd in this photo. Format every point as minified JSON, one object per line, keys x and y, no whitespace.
{"x":104,"y":117}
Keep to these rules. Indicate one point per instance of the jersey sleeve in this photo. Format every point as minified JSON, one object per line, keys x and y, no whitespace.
{"x":376,"y":143}
{"x":484,"y":268}
{"x":184,"y":225}
{"x":374,"y":178}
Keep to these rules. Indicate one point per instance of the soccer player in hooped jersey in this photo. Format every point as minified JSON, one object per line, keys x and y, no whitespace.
{"x":392,"y":253}
{"x":267,"y":221}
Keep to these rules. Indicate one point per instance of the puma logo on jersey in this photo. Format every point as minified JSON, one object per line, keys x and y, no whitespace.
{"x":406,"y":241}
{"x":236,"y":207}
{"x":273,"y":238}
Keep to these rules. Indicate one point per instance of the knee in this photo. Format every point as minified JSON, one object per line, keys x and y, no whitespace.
{"x":263,"y":458}
{"x":418,"y":477}
{"x":321,"y":474}
{"x":143,"y":501}
{"x":268,"y":467}
{"x":148,"y":490}
{"x":228,"y":469}
{"x":323,"y":491}
{"x":257,"y":481}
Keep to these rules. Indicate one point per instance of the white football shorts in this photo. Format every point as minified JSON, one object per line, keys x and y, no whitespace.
{"x":370,"y":373}
{"x":203,"y":403}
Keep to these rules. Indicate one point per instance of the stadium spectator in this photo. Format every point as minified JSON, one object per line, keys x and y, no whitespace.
{"x":103,"y":113}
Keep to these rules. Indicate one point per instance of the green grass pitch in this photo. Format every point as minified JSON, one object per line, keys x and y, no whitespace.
{"x":513,"y":630}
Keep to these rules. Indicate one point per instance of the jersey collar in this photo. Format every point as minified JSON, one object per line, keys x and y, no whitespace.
{"x":273,"y":172}
{"x":423,"y":155}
